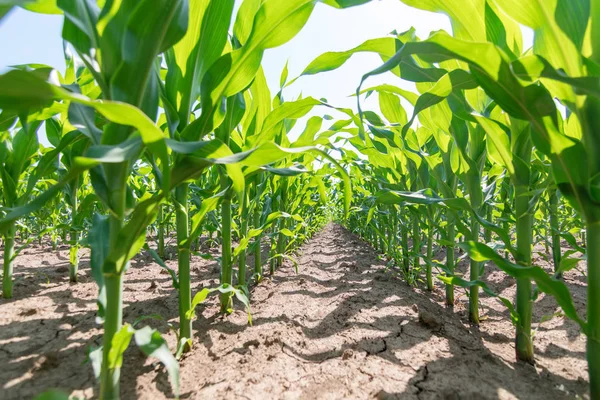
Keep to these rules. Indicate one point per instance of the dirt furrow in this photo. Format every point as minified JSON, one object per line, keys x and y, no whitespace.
{"x":343,"y":327}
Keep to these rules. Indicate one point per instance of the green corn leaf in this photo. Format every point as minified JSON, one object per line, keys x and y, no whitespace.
{"x":39,"y":201}
{"x":197,"y":300}
{"x":39,"y":6}
{"x":132,"y":236}
{"x":152,"y":344}
{"x":288,"y":110}
{"x":284,"y":75}
{"x":24,"y":146}
{"x":408,"y":95}
{"x":289,"y":171}
{"x":454,"y":80}
{"x":225,"y":288}
{"x":79,"y":28}
{"x":26,"y":89}
{"x":270,"y":219}
{"x":502,"y":30}
{"x":83,"y":118}
{"x":425,"y":196}
{"x":455,"y":280}
{"x":330,"y":61}
{"x":146,"y":30}
{"x":391,"y":108}
{"x":307,"y":137}
{"x":559,"y":27}
{"x":275,"y":23}
{"x":53,"y":131}
{"x":534,"y":67}
{"x":7,"y":119}
{"x":556,"y":288}
{"x":245,"y":19}
{"x":568,"y":263}
{"x":53,"y":394}
{"x":98,"y":240}
{"x":201,"y":155}
{"x":498,"y":143}
{"x":207,"y":206}
{"x":191,"y":57}
{"x":287,"y":232}
{"x":104,"y":154}
{"x":120,"y":342}
{"x":467,"y":17}
{"x":261,"y":106}
{"x":385,"y":47}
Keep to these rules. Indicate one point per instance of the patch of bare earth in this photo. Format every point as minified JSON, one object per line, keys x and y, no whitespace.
{"x":343,"y":327}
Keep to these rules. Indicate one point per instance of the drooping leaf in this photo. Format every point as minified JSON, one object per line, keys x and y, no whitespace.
{"x":152,"y":344}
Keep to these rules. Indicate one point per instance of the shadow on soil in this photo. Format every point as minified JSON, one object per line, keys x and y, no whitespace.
{"x":43,"y":351}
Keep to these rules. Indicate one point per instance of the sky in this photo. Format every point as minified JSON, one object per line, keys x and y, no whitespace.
{"x":35,"y":38}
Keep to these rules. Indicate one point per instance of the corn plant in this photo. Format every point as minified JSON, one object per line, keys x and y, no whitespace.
{"x":16,"y":156}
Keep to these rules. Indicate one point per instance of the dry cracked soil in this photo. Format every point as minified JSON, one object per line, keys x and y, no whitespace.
{"x":342,"y":327}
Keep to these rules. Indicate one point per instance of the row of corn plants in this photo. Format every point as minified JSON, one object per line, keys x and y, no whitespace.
{"x":503,"y":156}
{"x":163,"y":128}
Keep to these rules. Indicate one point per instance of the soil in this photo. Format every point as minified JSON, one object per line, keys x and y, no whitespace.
{"x":344,"y":326}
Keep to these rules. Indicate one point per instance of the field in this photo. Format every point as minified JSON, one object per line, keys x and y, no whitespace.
{"x":175,"y":225}
{"x":342,"y":327}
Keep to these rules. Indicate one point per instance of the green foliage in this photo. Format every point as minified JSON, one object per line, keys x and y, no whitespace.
{"x":163,"y":119}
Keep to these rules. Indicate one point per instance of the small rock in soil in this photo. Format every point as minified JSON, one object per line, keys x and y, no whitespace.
{"x":254,"y":343}
{"x":28,"y":313}
{"x":430,"y":320}
{"x":347,"y":354}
